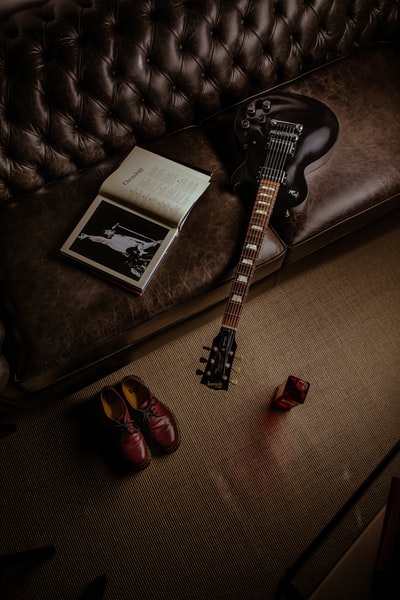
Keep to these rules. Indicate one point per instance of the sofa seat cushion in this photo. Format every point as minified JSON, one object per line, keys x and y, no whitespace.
{"x":60,"y":318}
{"x":361,"y":179}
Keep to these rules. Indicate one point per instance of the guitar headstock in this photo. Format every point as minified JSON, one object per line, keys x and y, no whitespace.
{"x":217,"y":372}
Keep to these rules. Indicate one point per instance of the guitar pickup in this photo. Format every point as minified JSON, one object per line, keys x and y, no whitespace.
{"x":272,"y":175}
{"x":288,"y":139}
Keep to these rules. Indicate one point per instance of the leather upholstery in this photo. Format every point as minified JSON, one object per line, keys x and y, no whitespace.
{"x":4,"y":367}
{"x":62,"y":317}
{"x":98,"y":75}
{"x":361,"y":178}
{"x":82,"y":81}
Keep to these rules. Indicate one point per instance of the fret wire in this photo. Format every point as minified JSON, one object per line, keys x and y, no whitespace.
{"x":240,"y":289}
{"x":262,"y":210}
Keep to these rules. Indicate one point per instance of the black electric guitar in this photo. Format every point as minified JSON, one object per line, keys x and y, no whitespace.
{"x":283,"y":136}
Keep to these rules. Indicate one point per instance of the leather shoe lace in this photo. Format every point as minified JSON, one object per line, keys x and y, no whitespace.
{"x":155,"y":419}
{"x":132,"y":443}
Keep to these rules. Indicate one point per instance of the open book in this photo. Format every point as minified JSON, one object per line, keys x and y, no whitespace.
{"x":131,"y":223}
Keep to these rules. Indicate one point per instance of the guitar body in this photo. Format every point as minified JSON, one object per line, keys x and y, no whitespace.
{"x":252,"y":126}
{"x":283,"y":136}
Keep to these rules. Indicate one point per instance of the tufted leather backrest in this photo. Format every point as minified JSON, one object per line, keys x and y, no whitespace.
{"x":84,"y":79}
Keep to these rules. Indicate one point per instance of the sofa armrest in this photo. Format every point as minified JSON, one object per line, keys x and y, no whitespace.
{"x":4,"y":368}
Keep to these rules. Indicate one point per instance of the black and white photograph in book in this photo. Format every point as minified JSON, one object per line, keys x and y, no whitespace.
{"x":119,"y":240}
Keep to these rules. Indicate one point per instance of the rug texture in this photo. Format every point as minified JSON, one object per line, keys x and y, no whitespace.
{"x":250,"y":486}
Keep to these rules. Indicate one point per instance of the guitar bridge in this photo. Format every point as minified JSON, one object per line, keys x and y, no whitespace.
{"x":293,"y":128}
{"x":283,"y":133}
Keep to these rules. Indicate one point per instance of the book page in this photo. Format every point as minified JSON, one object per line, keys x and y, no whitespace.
{"x":162,"y":188}
{"x":118,"y":242}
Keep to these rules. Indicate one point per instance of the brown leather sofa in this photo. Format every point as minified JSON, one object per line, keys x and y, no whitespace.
{"x":83,"y":81}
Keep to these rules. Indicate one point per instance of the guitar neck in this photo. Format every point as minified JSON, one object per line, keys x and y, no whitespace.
{"x":260,"y":217}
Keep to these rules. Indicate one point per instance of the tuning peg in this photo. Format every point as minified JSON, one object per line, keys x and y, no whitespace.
{"x":239,"y":357}
{"x":199,"y":372}
{"x":206,"y":348}
{"x":234,"y":381}
{"x":266,"y":105}
{"x":202,"y":359}
{"x":236,"y":369}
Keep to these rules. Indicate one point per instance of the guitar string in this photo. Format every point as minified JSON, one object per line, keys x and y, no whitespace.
{"x":280,"y":156}
{"x":276,"y":160}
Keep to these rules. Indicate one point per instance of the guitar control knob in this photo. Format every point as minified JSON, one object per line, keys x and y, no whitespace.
{"x":245,"y":124}
{"x":266,"y":105}
{"x":251,"y":110}
{"x":262,"y":118}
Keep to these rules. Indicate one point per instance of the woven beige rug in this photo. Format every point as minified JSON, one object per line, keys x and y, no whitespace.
{"x":250,"y":487}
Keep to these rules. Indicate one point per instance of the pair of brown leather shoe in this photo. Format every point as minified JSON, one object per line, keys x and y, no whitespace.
{"x":140,"y":415}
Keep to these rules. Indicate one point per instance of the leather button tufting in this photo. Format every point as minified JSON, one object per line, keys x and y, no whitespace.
{"x":47,"y":14}
{"x":82,"y":41}
{"x":48,"y":54}
{"x":13,"y":32}
{"x":212,"y":53}
{"x":119,"y":28}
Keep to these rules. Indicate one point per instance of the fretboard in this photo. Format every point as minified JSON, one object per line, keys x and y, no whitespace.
{"x":260,"y":216}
